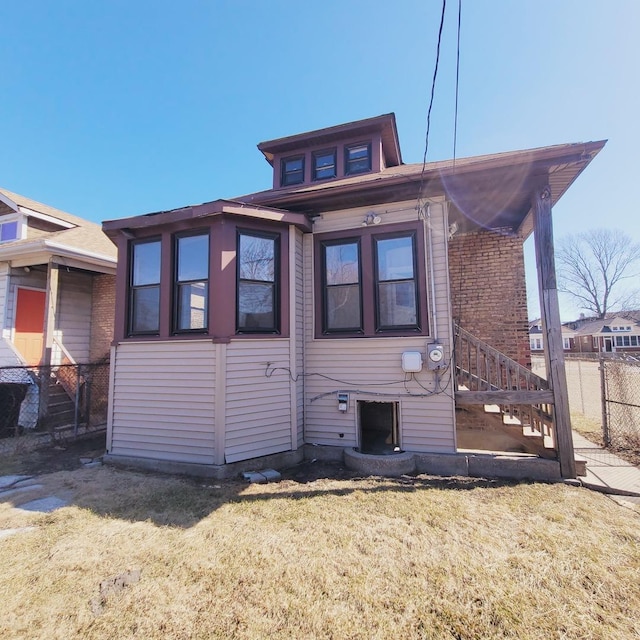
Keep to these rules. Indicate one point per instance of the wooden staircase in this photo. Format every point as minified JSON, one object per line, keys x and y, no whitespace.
{"x":500,"y":404}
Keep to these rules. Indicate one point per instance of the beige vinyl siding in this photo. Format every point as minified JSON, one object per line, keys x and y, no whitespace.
{"x":299,"y":315}
{"x":370,"y":368}
{"x":163,"y":401}
{"x":258,"y":408}
{"x":73,"y":325}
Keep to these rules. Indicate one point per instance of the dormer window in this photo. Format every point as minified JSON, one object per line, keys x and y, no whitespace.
{"x":292,"y":171}
{"x":324,"y":164}
{"x":8,"y":231}
{"x":357,"y":158}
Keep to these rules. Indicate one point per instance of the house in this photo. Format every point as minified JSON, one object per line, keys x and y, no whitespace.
{"x":57,"y":285}
{"x":616,"y":333}
{"x":536,"y":337}
{"x":360,"y":307}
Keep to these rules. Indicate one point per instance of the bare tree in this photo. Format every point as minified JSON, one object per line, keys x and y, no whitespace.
{"x":592,"y":267}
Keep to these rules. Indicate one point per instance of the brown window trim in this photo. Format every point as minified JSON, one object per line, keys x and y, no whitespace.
{"x":347,"y":149}
{"x":284,"y":176}
{"x":131,"y":288}
{"x":314,"y":167}
{"x":175,"y":302}
{"x":366,"y":235}
{"x":277,"y":281}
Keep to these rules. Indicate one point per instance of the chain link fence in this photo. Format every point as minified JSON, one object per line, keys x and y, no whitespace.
{"x":605,"y":388}
{"x":64,"y":400}
{"x":621,"y":403}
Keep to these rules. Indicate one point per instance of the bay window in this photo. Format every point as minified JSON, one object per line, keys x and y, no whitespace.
{"x":257,"y":282}
{"x":191,"y":287}
{"x":144,"y":300}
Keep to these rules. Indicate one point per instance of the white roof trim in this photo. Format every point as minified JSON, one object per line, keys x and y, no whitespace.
{"x":8,"y":201}
{"x":47,"y":218}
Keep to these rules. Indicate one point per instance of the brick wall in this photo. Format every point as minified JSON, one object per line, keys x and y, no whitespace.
{"x":488,"y":290}
{"x":103,"y":304}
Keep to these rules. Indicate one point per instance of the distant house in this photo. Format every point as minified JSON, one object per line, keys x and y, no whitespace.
{"x":57,"y":285}
{"x":536,"y":337}
{"x":360,"y":303}
{"x":616,"y":333}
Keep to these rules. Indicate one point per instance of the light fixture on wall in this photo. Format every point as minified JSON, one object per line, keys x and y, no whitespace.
{"x":371,"y":218}
{"x":453,"y":228}
{"x":27,"y":269}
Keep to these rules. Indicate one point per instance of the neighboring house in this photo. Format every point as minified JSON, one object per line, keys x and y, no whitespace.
{"x":360,"y":302}
{"x":616,"y":333}
{"x":57,"y":285}
{"x":536,"y":337}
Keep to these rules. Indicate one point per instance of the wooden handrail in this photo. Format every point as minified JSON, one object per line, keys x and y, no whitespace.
{"x":487,"y":376}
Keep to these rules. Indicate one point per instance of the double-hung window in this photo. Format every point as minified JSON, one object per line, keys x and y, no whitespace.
{"x":342,"y":299}
{"x":357,"y":158}
{"x":144,"y":301}
{"x":292,"y":171}
{"x":324,"y":164}
{"x":395,"y":282}
{"x":191,"y":287}
{"x":257,"y":295}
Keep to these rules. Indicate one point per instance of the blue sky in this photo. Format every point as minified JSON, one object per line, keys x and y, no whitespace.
{"x":117,"y":108}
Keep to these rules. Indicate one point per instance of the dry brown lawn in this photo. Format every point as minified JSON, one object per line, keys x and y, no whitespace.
{"x":362,"y":558}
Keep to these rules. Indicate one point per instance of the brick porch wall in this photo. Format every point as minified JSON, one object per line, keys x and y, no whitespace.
{"x":488,"y":290}
{"x":103,"y":306}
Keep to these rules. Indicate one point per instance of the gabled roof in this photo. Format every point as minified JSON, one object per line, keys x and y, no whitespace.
{"x":604,"y":326}
{"x":76,"y":236}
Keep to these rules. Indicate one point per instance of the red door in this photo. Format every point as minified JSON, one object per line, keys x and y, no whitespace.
{"x":29,"y":334}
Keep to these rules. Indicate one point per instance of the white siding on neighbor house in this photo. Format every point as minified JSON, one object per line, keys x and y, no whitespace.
{"x":8,"y":356}
{"x":370,"y":368}
{"x":163,"y":401}
{"x":73,"y":322}
{"x":4,"y":288}
{"x":258,"y":408}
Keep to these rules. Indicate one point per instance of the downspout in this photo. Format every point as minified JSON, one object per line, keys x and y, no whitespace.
{"x":432,"y":275}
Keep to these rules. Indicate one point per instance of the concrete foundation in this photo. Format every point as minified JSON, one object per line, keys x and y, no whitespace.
{"x":219,"y":472}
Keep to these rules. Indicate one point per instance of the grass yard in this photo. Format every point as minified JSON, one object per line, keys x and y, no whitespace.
{"x":353,"y":558}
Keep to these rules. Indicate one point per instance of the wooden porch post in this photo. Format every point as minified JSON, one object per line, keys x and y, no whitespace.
{"x":51,"y":310}
{"x":51,"y":304}
{"x":553,"y":351}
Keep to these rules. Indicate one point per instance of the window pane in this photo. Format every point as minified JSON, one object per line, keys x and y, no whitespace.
{"x":9,"y":231}
{"x":193,"y":258}
{"x":192,"y":306}
{"x":395,"y":258}
{"x":292,"y":170}
{"x":146,"y":263}
{"x":145,"y":312}
{"x":343,"y":307}
{"x":341,"y":264}
{"x":257,"y":258}
{"x":324,"y":165}
{"x":256,"y":306}
{"x":397,"y":304}
{"x":358,"y":158}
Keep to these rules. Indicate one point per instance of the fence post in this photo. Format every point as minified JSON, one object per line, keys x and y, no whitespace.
{"x":606,"y":436}
{"x":76,"y":412}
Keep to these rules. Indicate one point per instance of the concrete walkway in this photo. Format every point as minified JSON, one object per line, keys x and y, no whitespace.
{"x":606,"y":472}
